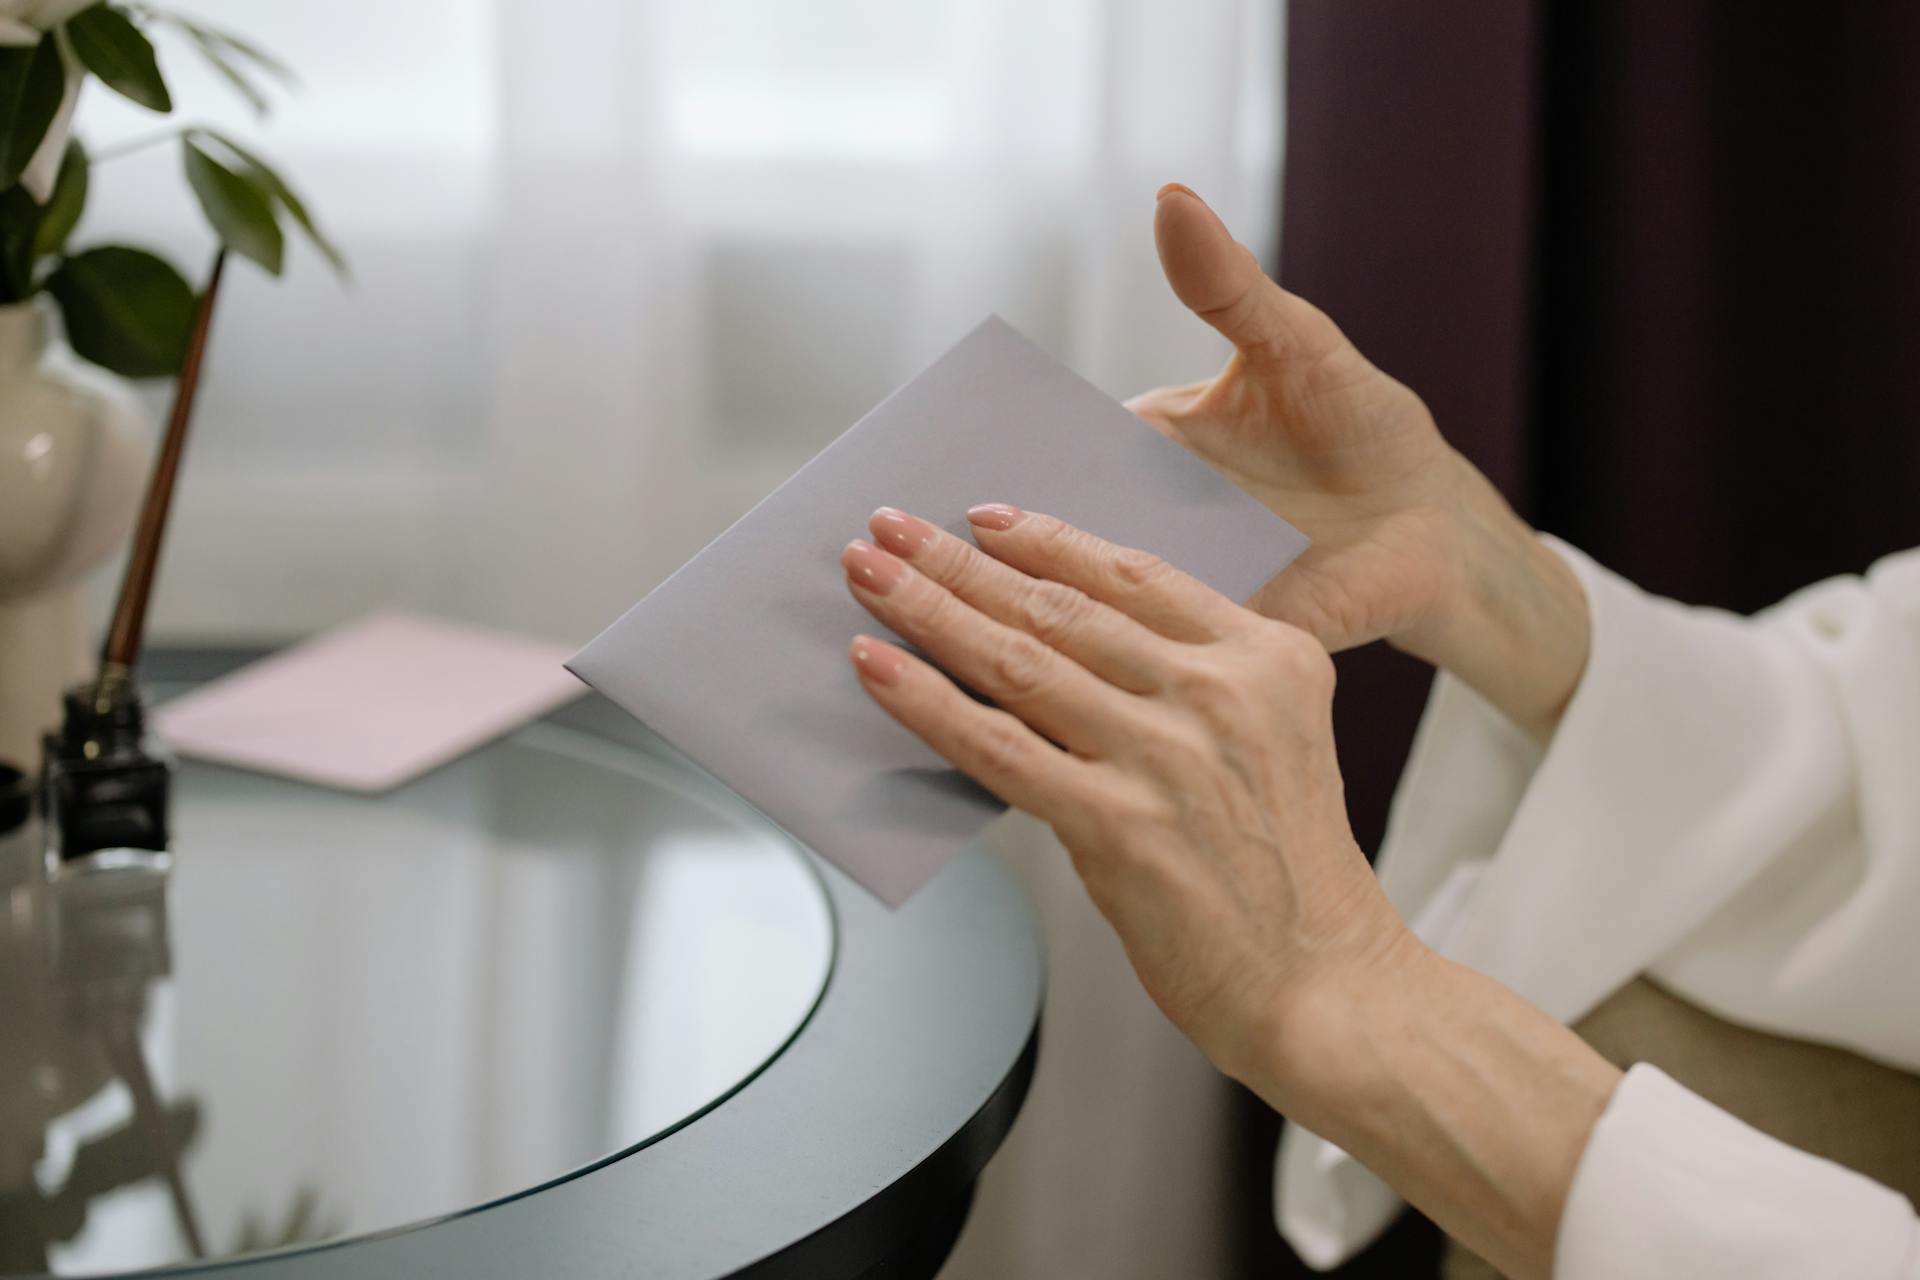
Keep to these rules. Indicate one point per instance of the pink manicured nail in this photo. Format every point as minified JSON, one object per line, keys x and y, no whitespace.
{"x":997,"y":516}
{"x":878,"y":662}
{"x":870,"y":567}
{"x":899,"y":532}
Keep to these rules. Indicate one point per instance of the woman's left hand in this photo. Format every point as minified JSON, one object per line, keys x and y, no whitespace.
{"x":1181,"y":746}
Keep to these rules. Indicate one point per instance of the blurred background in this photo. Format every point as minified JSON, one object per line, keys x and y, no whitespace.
{"x":620,"y":267}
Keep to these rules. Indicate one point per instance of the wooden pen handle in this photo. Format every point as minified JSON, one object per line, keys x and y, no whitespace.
{"x":121,"y":651}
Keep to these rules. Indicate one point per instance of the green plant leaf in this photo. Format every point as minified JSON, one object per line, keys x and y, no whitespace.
{"x":258,"y":169}
{"x":19,"y":218}
{"x":125,"y":309}
{"x":247,"y":49}
{"x":235,"y":78}
{"x":239,"y":206}
{"x":63,"y":207}
{"x":32,"y":79}
{"x":228,"y":43}
{"x":109,"y":45}
{"x":218,"y":38}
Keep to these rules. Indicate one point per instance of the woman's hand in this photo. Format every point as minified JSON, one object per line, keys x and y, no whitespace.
{"x":1410,"y":543}
{"x":1180,"y":745}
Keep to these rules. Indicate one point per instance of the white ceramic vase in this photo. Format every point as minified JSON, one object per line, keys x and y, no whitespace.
{"x":75,"y":449}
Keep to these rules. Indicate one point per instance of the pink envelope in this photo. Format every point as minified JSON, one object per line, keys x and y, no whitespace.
{"x":372,"y":704}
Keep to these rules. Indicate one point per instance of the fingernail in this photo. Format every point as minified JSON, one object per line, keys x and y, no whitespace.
{"x":899,"y":532}
{"x":871,"y":567}
{"x":997,"y":516}
{"x":878,"y":662}
{"x":1172,"y":187}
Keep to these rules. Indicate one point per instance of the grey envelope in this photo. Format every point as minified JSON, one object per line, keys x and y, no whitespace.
{"x":739,"y":659}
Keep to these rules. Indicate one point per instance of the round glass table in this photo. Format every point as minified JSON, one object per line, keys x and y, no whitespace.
{"x":365,"y":1019}
{"x":378,"y":1010}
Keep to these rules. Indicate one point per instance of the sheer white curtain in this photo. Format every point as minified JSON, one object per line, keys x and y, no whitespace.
{"x":621,"y":266}
{"x":734,"y":232}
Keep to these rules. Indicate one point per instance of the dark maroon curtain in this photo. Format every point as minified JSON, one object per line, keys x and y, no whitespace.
{"x":1654,"y":264}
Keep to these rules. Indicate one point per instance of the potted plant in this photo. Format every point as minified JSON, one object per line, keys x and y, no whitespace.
{"x":77,"y":321}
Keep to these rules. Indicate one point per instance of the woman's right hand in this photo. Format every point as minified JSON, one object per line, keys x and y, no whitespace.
{"x":1411,"y":543}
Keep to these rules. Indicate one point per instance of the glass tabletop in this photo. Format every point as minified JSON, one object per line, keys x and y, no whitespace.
{"x":339,"y":1014}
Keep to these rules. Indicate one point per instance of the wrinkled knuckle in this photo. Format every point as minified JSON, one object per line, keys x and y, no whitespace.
{"x":1055,"y":540}
{"x":994,"y":746}
{"x":1215,"y":688}
{"x":958,"y":565}
{"x":942,"y":558}
{"x":1020,"y":666}
{"x":1135,"y":569}
{"x":1053,"y":611}
{"x":1302,"y":660}
{"x":1174,"y":747}
{"x":1204,"y":676}
{"x":935,"y":611}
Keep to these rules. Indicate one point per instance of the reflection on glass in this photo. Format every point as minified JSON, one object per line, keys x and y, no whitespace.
{"x":79,"y":955}
{"x":337,"y":1015}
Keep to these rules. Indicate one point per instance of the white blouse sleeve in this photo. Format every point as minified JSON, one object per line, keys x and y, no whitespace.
{"x":1673,"y":1188}
{"x":1729,"y":804}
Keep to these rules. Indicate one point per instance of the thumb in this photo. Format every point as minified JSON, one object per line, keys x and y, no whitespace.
{"x":1221,"y":281}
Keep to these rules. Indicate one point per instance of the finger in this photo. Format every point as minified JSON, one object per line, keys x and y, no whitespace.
{"x":1097,"y":636}
{"x":988,"y":745}
{"x":1142,"y":586}
{"x":1222,"y":282}
{"x":1048,"y":690}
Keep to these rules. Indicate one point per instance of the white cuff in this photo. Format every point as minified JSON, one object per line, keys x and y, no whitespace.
{"x":1672,"y":1186}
